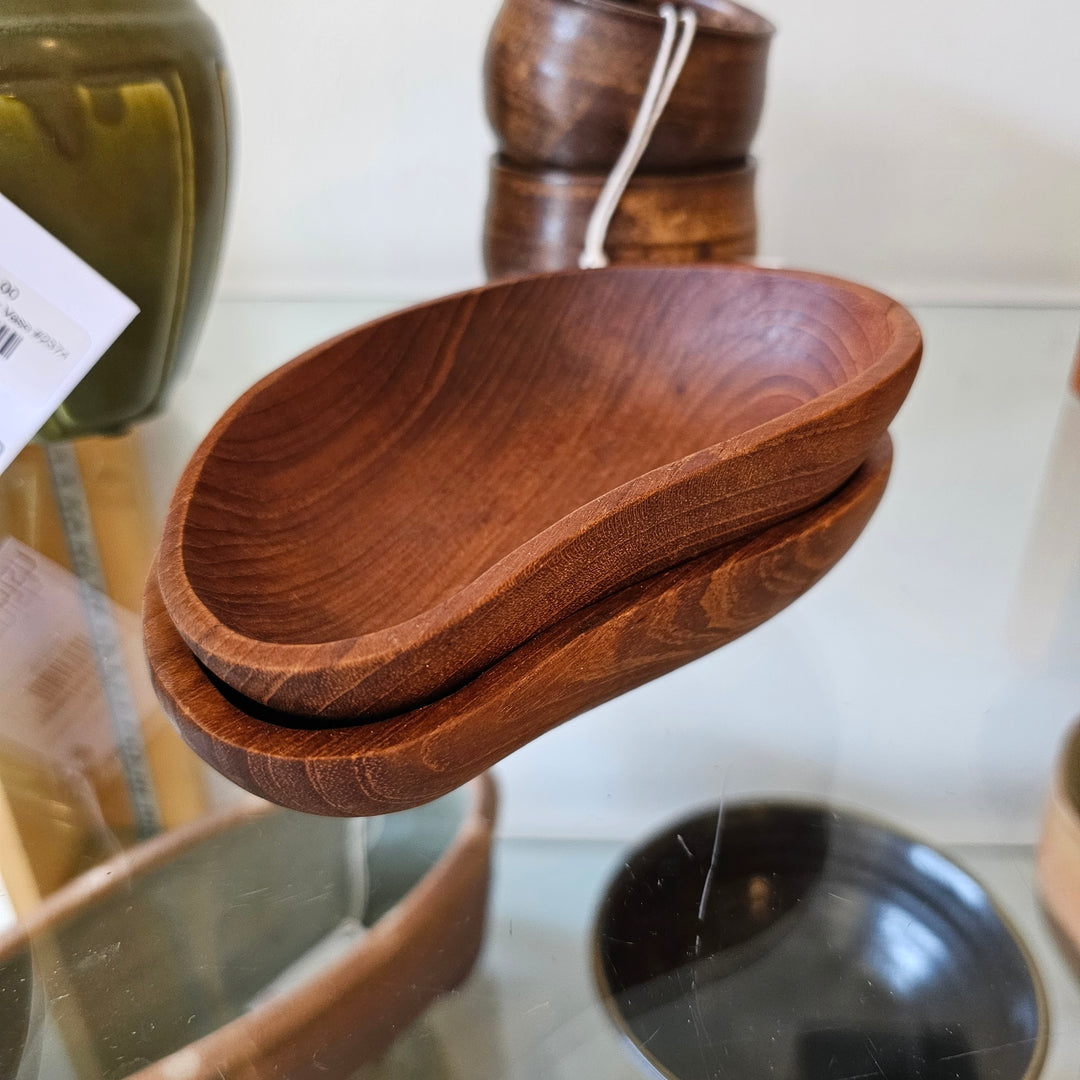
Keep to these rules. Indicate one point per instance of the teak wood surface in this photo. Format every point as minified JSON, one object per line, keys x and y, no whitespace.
{"x":1058,"y":859}
{"x":1074,"y":379}
{"x":383,"y":518}
{"x":122,"y":998}
{"x":535,"y":220}
{"x":563,"y":81}
{"x":591,"y":656}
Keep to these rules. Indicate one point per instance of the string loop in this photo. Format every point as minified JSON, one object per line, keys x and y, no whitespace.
{"x":670,"y":59}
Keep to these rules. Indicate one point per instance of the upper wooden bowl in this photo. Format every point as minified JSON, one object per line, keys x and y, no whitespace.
{"x":564,"y":79}
{"x":535,"y":219}
{"x":173,"y":959}
{"x":1058,"y":863}
{"x":592,"y":655}
{"x":381,"y":519}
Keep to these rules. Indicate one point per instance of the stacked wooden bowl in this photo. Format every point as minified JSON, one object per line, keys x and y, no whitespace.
{"x":408,"y":552}
{"x":564,"y":80}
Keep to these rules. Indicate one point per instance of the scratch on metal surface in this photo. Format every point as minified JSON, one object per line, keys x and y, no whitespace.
{"x":695,"y":1009}
{"x":988,"y":1049}
{"x":713,"y":861}
{"x":873,"y":1056}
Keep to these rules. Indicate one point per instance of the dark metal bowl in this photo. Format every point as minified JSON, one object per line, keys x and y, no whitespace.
{"x":780,"y":940}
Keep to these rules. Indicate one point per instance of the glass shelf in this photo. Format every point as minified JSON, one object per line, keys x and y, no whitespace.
{"x":905,"y":685}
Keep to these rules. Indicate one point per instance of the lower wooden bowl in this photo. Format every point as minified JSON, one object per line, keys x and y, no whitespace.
{"x":599,"y":652}
{"x":1058,"y":863}
{"x":208,"y":951}
{"x":536,"y":218}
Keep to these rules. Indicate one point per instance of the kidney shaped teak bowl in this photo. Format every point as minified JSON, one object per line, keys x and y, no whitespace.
{"x":386,"y":516}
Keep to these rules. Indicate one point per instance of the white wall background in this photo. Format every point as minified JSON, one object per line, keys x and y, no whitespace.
{"x":931,"y":148}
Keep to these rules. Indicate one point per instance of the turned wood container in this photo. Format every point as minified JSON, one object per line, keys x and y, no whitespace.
{"x":564,"y":79}
{"x":1058,"y":863}
{"x":536,"y":219}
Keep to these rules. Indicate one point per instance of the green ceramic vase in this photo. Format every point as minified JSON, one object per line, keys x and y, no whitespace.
{"x":114,"y":137}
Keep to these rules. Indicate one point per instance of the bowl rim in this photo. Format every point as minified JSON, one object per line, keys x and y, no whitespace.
{"x":235,"y":650}
{"x":841,"y":810}
{"x":762,"y":31}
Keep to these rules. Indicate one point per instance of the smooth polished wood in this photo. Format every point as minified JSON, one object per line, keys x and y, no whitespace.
{"x":381,"y":519}
{"x":535,"y":219}
{"x":591,"y":656}
{"x":1058,"y":858}
{"x":563,"y":81}
{"x":159,"y":954}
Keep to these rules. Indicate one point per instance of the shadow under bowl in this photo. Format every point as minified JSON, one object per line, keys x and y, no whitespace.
{"x":383,"y":518}
{"x":771,"y":938}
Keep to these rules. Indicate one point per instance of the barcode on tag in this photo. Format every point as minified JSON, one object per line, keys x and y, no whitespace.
{"x":9,"y":342}
{"x":57,"y":317}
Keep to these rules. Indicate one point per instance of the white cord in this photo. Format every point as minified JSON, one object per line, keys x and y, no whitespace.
{"x":666,"y":70}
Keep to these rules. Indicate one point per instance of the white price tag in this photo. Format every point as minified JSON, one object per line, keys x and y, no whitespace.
{"x":57,"y":318}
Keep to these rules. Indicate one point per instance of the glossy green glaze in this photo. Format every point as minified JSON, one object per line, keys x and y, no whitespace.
{"x":114,"y":137}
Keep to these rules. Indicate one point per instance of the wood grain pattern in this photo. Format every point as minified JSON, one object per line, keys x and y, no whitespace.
{"x":1058,"y":857}
{"x":563,"y":80}
{"x":198,"y":944}
{"x":591,"y":656}
{"x":536,"y":219}
{"x":383,"y":518}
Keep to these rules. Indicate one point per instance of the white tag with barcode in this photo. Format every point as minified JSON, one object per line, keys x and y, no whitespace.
{"x":57,"y":318}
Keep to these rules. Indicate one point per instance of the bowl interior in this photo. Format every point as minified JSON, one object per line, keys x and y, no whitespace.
{"x":191,"y":944}
{"x":432,"y":444}
{"x":785,"y":940}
